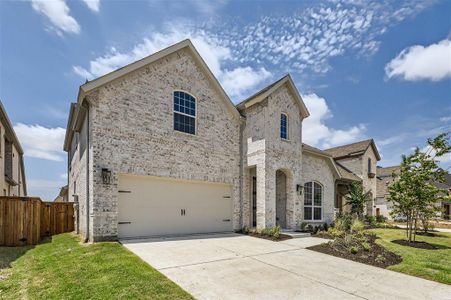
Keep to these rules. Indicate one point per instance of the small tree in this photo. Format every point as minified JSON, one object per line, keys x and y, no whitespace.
{"x":413,"y":192}
{"x":357,"y":198}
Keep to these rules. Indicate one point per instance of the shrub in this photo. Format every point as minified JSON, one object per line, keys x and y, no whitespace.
{"x":380,"y":259}
{"x":370,"y":220}
{"x":343,"y":223}
{"x":303,"y":226}
{"x":309,"y":228}
{"x":245,"y":230}
{"x":335,"y":232}
{"x":381,"y":219}
{"x":272,"y":232}
{"x":354,"y":249}
{"x":366,"y":246}
{"x":357,"y":226}
{"x":325,"y":226}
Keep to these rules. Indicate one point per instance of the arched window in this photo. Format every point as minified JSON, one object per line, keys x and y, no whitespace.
{"x":313,"y":201}
{"x":184,"y":112}
{"x":284,"y":126}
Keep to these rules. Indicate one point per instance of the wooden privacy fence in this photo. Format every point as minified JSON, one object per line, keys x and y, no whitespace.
{"x":25,"y":220}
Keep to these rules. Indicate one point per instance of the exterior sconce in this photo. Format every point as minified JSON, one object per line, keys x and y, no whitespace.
{"x":106,"y":176}
{"x":299,"y":189}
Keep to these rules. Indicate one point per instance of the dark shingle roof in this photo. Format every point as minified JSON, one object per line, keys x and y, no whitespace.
{"x":354,"y":149}
{"x":346,"y":173}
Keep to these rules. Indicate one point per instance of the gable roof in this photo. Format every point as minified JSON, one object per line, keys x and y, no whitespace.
{"x":265,"y":92}
{"x":387,"y":171}
{"x":317,"y":152}
{"x":354,"y":149}
{"x":119,"y":73}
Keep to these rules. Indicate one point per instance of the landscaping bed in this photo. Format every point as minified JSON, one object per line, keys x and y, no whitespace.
{"x":374,"y":255}
{"x":416,"y":244}
{"x":281,"y":237}
{"x":64,"y":268}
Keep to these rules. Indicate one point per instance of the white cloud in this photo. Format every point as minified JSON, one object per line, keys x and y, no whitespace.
{"x":93,"y":5}
{"x":308,"y":39}
{"x":445,"y":119}
{"x":241,"y":80}
{"x":57,"y":13}
{"x":317,"y":133}
{"x":418,"y":62}
{"x":237,"y":81}
{"x":41,"y":142}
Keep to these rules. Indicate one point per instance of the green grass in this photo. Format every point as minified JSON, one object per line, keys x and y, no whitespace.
{"x":63,"y":268}
{"x":429,"y":264}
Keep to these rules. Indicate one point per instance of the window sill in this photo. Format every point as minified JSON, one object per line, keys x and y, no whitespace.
{"x":285,"y":140}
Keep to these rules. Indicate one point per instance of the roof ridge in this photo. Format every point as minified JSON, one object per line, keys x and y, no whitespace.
{"x":264,"y":89}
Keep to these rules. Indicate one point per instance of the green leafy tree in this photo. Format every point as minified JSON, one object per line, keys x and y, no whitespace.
{"x":357,"y":198}
{"x":413,"y":192}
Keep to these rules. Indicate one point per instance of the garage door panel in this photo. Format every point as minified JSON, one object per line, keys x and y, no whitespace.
{"x":153,"y":206}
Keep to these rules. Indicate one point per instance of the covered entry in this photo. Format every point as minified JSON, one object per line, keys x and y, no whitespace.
{"x":152,"y":206}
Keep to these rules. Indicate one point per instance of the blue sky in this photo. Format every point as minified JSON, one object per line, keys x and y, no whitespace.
{"x":366,"y":69}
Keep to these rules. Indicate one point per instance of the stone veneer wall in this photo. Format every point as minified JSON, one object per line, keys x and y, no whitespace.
{"x":318,"y":169}
{"x":132,"y":133}
{"x":264,"y":149}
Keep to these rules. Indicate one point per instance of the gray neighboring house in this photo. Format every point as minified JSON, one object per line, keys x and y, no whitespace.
{"x":386,"y":175}
{"x":157,"y":148}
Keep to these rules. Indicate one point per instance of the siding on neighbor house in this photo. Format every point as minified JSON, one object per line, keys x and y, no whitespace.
{"x":132,"y":133}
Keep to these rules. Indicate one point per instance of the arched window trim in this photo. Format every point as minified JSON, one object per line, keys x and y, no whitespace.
{"x":312,"y":206}
{"x":186,"y":116}
{"x":284,"y":135}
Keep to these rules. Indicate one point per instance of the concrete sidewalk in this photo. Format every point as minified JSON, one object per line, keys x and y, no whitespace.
{"x":235,"y":266}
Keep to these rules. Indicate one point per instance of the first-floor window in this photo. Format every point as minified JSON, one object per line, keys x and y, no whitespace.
{"x":313,"y":199}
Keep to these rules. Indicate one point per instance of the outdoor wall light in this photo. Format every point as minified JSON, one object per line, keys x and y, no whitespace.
{"x":299,"y":188}
{"x":106,"y":176}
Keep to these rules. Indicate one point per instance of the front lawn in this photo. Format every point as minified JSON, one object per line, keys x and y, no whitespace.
{"x":63,"y":268}
{"x":429,"y":264}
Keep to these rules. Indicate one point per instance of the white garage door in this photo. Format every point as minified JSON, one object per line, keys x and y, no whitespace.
{"x":150,"y":206}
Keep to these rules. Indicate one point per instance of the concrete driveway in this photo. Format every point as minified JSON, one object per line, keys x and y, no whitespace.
{"x":232,"y":266}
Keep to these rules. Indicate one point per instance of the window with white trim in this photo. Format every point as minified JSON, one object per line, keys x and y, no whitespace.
{"x":284,"y":126}
{"x":313,"y":200}
{"x":184,"y":112}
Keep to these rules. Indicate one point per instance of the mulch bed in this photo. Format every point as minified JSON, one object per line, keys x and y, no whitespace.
{"x":416,"y":244}
{"x":362,"y":256}
{"x":282,"y":237}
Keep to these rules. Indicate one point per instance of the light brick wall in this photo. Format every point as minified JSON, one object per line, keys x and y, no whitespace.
{"x":318,"y":169}
{"x":132,"y":132}
{"x":264,"y":149}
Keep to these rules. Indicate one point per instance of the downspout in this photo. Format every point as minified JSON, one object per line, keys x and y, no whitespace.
{"x":87,"y":172}
{"x":242,"y":125}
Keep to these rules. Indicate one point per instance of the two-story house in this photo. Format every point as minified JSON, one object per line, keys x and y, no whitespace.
{"x":158,"y":148}
{"x":12,"y":182}
{"x":358,"y":161}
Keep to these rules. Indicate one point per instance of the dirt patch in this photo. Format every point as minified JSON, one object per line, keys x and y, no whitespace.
{"x":282,"y":237}
{"x":416,"y":244}
{"x":378,"y":256}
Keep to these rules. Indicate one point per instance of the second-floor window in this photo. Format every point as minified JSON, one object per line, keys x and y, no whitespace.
{"x":369,"y":165}
{"x":284,"y":126}
{"x":184,"y":112}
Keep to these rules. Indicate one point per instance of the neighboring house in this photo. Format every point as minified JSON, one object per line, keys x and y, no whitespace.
{"x":386,"y":175}
{"x":63,"y":195}
{"x":12,"y":183}
{"x":158,"y":148}
{"x":357,"y":162}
